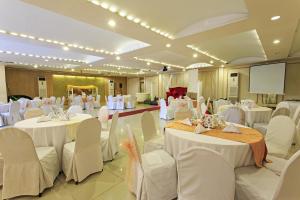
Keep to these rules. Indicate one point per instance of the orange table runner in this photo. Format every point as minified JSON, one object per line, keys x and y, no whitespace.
{"x":248,"y":135}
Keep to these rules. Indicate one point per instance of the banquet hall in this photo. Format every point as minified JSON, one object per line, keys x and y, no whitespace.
{"x":149,"y":100}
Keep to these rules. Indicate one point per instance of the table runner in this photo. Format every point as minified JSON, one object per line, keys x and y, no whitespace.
{"x":248,"y":135}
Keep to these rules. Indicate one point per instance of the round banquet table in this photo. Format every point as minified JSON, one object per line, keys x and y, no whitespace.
{"x":237,"y":154}
{"x":52,"y":133}
{"x":257,"y":115}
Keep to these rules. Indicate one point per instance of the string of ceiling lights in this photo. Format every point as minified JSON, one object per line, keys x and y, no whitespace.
{"x":158,"y":62}
{"x":130,"y":17}
{"x":65,"y":45}
{"x":206,"y":53}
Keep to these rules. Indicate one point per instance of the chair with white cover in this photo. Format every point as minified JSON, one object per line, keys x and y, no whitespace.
{"x":103,"y":117}
{"x":13,"y":115}
{"x":84,"y":156}
{"x":170,"y":99}
{"x":166,"y":112}
{"x":111,"y":102}
{"x":74,"y":109}
{"x":152,"y":176}
{"x":27,"y":170}
{"x":77,"y":100}
{"x":110,"y":140}
{"x":63,"y":99}
{"x":280,"y":135}
{"x":220,"y":102}
{"x":281,"y":109}
{"x":52,"y":100}
{"x":33,"y":112}
{"x":204,"y":174}
{"x":130,"y":101}
{"x":263,"y":184}
{"x":58,"y":101}
{"x":296,"y":116}
{"x":97,"y":102}
{"x":120,"y":103}
{"x":152,"y":141}
{"x":234,"y":114}
{"x":182,"y":110}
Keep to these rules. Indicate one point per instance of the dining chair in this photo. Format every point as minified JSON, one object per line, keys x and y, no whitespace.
{"x":13,"y":115}
{"x":103,"y":117}
{"x":152,"y":141}
{"x":234,"y":114}
{"x":74,"y":109}
{"x":83,"y":157}
{"x":264,"y":184}
{"x":166,"y":112}
{"x":204,"y":174}
{"x":110,"y":140}
{"x":151,"y":176}
{"x":27,"y":170}
{"x":33,"y":112}
{"x":280,"y":134}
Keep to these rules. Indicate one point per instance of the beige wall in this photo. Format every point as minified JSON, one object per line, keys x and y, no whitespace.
{"x":3,"y":92}
{"x":133,"y":85}
{"x":214,"y":82}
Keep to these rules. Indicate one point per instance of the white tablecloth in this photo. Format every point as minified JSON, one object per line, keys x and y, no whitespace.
{"x":257,"y":115}
{"x":4,"y":107}
{"x":52,"y":133}
{"x":236,"y":153}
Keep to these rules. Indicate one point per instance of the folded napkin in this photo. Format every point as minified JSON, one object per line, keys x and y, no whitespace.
{"x":43,"y":119}
{"x":186,"y":121}
{"x":231,"y":128}
{"x":200,"y":129}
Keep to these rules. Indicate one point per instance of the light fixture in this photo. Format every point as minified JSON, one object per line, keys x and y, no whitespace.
{"x":158,"y":62}
{"x":118,"y":58}
{"x":198,"y":65}
{"x":111,"y":23}
{"x":222,"y":66}
{"x":205,"y":53}
{"x":72,"y":70}
{"x":65,"y":48}
{"x":130,"y":17}
{"x":274,"y":18}
{"x":195,"y":55}
{"x":276,"y":41}
{"x":148,"y":63}
{"x":55,"y":42}
{"x":168,"y":45}
{"x":35,"y":66}
{"x":211,"y":62}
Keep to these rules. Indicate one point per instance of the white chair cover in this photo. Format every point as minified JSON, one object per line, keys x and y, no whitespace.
{"x":111,"y":102}
{"x":77,"y":100}
{"x":263,"y":184}
{"x":75,"y":109}
{"x":166,"y":113}
{"x":120,"y":103}
{"x":170,"y":99}
{"x":97,"y":102}
{"x":27,"y":171}
{"x":204,"y":174}
{"x":58,"y":101}
{"x":63,"y":99}
{"x":203,"y":108}
{"x":33,"y":112}
{"x":234,"y":114}
{"x":281,"y":111}
{"x":36,"y":102}
{"x":13,"y":115}
{"x":129,"y":101}
{"x":218,"y":103}
{"x":296,"y":115}
{"x":84,"y":156}
{"x":52,"y":100}
{"x":110,"y":140}
{"x":152,"y":141}
{"x":279,"y":136}
{"x":103,"y":116}
{"x":153,"y":175}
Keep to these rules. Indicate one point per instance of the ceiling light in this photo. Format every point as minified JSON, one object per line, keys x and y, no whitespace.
{"x":65,"y":48}
{"x":35,"y":66}
{"x":195,"y":55}
{"x":72,"y":70}
{"x":148,"y":63}
{"x":104,"y":5}
{"x":118,"y":58}
{"x":111,"y":23}
{"x":130,"y":17}
{"x":136,"y":20}
{"x":113,"y":9}
{"x":222,"y":66}
{"x":211,"y":62}
{"x":276,"y":41}
{"x":168,"y":45}
{"x":158,"y":62}
{"x":274,"y":18}
{"x":96,"y":2}
{"x":122,"y":13}
{"x":205,"y":53}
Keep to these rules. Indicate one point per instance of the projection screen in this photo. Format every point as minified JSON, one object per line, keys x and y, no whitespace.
{"x":267,"y":79}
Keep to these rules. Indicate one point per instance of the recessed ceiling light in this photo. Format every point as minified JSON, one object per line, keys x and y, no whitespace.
{"x":72,"y":70}
{"x":65,"y":48}
{"x":122,"y":13}
{"x":46,"y":60}
{"x":276,"y":41}
{"x":104,"y":5}
{"x":35,"y":66}
{"x":195,"y":55}
{"x":111,"y":23}
{"x":136,"y":20}
{"x":148,"y":63}
{"x":211,"y":62}
{"x":96,"y":2}
{"x":274,"y":18}
{"x":130,"y":17}
{"x":113,"y":9}
{"x":118,"y":58}
{"x":168,"y":45}
{"x":222,"y":65}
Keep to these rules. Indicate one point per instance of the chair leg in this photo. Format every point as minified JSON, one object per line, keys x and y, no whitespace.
{"x":40,"y":194}
{"x":76,"y":182}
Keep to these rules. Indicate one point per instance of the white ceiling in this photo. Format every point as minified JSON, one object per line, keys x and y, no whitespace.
{"x":238,"y":31}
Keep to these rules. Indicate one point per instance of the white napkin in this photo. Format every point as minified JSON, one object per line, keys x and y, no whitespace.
{"x":231,"y":128}
{"x":186,"y":121}
{"x":200,"y":129}
{"x":43,"y":119}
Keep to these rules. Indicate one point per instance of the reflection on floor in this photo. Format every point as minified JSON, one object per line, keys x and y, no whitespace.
{"x":111,"y":183}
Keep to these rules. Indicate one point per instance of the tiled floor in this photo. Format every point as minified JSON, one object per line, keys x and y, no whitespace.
{"x":109,"y":184}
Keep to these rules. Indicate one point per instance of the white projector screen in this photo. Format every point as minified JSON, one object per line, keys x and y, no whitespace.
{"x":267,"y":79}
